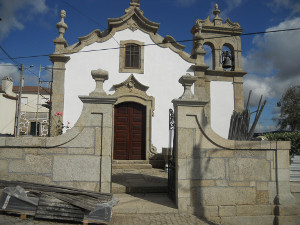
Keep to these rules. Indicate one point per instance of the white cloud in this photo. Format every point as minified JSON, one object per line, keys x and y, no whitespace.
{"x":11,"y":19}
{"x":292,"y":5}
{"x":231,"y":5}
{"x":276,"y":58}
{"x":260,"y":128}
{"x":186,"y":2}
{"x":7,"y":69}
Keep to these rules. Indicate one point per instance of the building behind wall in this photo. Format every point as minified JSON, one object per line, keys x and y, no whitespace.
{"x":144,"y":71}
{"x":34,"y":119}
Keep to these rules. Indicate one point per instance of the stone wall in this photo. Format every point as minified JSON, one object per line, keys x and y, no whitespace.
{"x":80,"y":158}
{"x":231,"y":182}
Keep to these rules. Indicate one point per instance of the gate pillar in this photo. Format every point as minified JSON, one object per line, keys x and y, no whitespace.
{"x":98,"y":113}
{"x":184,"y":150}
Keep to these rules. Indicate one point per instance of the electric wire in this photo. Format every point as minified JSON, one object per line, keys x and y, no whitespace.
{"x":161,"y":43}
{"x":91,"y":19}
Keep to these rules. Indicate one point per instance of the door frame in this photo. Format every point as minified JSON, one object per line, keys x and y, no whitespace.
{"x":131,"y":90}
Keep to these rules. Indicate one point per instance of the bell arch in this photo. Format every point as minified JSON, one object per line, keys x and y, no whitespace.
{"x":209,"y":48}
{"x":131,"y":90}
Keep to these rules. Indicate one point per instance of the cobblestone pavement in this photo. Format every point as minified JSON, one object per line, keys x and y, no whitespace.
{"x":8,"y":219}
{"x":117,"y":219}
{"x":157,"y":219}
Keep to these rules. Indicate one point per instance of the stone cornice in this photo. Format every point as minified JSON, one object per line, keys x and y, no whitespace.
{"x":98,"y":100}
{"x":189,"y":102}
{"x":225,"y":73}
{"x":59,"y":58}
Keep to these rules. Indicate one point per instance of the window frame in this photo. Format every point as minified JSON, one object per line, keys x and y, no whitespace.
{"x":122,"y":66}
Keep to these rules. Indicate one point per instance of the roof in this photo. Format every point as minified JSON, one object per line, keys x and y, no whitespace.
{"x":29,"y":90}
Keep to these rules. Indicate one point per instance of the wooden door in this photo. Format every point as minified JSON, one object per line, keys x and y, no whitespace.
{"x":130,"y":131}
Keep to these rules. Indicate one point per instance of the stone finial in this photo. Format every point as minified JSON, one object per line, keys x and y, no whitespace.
{"x":217,"y":20}
{"x":187,"y":81}
{"x":62,"y":26}
{"x":217,"y":11}
{"x":99,"y":76}
{"x":135,"y":3}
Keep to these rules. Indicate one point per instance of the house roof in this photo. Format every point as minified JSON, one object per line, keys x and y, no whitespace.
{"x":29,"y":90}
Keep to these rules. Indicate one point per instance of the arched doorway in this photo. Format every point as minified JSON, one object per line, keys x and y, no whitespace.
{"x":129,"y":131}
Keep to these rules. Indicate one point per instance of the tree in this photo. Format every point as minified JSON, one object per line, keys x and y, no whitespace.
{"x":290,"y":109}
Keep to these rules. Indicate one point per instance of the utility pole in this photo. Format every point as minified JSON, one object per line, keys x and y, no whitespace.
{"x":38,"y":103}
{"x":17,"y":132}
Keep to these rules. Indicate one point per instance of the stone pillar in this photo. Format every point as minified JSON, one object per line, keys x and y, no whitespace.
{"x":58,"y":87}
{"x":217,"y":59}
{"x":58,"y":74}
{"x":238,"y":90}
{"x":187,"y":103}
{"x":98,"y":111}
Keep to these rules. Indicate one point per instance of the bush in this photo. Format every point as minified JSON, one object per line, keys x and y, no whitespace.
{"x":293,"y":137}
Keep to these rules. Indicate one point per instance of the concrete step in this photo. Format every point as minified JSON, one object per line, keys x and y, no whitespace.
{"x":294,"y":173}
{"x":131,"y":166}
{"x":295,"y":179}
{"x":295,"y":167}
{"x":139,"y":181}
{"x":130,"y":161}
{"x":138,"y":188}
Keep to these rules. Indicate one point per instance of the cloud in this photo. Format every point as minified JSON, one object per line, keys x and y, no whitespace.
{"x":275,"y":57}
{"x":8,"y":69}
{"x":292,"y":5}
{"x":12,"y":18}
{"x":231,"y":5}
{"x":186,"y":2}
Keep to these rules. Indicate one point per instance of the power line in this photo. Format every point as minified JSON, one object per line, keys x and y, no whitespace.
{"x":11,"y":58}
{"x":145,"y":45}
{"x":91,"y":19}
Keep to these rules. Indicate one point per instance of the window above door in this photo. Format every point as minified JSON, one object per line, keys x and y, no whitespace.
{"x":131,"y":57}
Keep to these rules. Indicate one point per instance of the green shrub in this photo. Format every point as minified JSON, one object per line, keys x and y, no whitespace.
{"x":293,"y":137}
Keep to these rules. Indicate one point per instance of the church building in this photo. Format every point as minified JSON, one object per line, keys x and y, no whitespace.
{"x":143,"y":70}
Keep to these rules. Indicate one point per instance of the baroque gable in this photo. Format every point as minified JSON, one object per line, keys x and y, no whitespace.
{"x":133,"y":19}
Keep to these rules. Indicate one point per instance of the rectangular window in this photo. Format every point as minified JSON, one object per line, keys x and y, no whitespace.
{"x":24,"y":100}
{"x":132,"y":56}
{"x":35,"y":128}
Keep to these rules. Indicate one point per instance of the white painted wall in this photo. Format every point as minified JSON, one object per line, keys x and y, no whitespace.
{"x":30,"y":106}
{"x":162,"y":69}
{"x":7,"y":115}
{"x":222,"y":106}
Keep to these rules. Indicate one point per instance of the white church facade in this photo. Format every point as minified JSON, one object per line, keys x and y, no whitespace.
{"x":143,"y":71}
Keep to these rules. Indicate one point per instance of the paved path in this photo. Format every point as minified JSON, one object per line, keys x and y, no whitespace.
{"x":132,"y":209}
{"x":117,"y":219}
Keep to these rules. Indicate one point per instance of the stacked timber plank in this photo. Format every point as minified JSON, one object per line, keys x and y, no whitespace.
{"x":56,"y":202}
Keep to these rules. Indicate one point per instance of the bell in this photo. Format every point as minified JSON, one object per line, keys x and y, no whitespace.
{"x":226,"y":62}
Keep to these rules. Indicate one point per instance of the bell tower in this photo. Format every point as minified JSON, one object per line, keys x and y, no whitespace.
{"x":224,"y":40}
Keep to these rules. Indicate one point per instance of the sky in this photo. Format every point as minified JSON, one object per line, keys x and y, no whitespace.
{"x":28,"y":28}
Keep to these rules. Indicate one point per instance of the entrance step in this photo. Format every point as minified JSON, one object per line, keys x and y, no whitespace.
{"x":139,"y":181}
{"x":131,"y":164}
